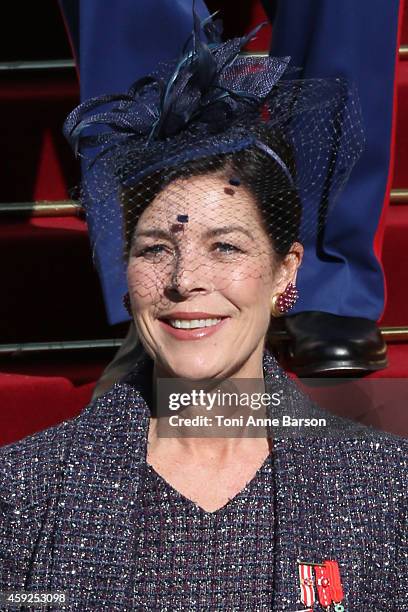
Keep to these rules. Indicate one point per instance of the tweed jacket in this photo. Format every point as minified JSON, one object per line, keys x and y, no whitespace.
{"x":69,"y":507}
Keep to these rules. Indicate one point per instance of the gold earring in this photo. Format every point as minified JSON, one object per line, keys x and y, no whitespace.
{"x":275,"y":312}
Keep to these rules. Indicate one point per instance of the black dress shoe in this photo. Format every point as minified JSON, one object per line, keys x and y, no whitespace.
{"x":323,"y":344}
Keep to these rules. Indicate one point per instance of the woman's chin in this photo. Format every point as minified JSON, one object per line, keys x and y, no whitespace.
{"x":195,"y":367}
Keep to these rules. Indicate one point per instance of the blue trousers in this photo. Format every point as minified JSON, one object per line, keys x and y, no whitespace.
{"x":355,"y":39}
{"x":118,"y":41}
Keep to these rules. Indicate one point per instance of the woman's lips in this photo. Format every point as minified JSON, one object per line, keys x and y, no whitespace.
{"x":192,"y":334}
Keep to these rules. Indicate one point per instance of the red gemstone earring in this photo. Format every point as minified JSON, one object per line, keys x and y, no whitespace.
{"x":126,"y":303}
{"x":283,"y":302}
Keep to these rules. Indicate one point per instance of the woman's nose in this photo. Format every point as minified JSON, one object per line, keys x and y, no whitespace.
{"x":191,"y":275}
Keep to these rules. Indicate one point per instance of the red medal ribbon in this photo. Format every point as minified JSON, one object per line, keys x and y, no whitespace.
{"x":328,"y":583}
{"x":333,"y":573}
{"x":323,"y":585}
{"x":307,"y":592}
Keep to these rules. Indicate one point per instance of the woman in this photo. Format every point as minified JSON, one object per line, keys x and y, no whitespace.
{"x":219,"y":169}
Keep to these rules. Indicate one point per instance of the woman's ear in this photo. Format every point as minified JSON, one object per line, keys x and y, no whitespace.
{"x":288,"y":267}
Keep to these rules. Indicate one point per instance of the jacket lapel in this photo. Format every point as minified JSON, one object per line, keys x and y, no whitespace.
{"x":95,"y":530}
{"x":313,"y":486}
{"x":314,"y":518}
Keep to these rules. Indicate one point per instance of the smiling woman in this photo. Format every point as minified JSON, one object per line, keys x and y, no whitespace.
{"x":208,"y":176}
{"x":224,"y":266}
{"x":233,"y":260}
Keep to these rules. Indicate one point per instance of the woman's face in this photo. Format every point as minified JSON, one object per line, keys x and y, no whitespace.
{"x":201,"y":289}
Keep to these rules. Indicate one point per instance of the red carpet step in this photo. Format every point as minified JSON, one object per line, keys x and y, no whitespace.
{"x":30,"y":404}
{"x":401,"y":144}
{"x":395,"y":261}
{"x":39,"y":164}
{"x":50,"y":288}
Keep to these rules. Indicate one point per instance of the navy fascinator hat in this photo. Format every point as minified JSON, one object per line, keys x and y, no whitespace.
{"x":292,"y":142}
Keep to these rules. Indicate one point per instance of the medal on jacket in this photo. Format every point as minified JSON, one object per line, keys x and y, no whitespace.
{"x":325,"y":577}
{"x":307,"y":591}
{"x":328,"y":584}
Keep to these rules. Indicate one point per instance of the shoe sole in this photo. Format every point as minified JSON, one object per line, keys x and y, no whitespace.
{"x":339,"y":368}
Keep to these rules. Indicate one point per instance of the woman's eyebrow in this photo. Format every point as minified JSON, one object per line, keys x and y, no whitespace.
{"x":210,"y":233}
{"x":228,"y":229}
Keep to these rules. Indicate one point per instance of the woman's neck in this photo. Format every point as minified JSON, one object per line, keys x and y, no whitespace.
{"x":244,"y":378}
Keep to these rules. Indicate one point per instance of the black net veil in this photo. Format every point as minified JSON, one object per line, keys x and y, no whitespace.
{"x":208,"y":170}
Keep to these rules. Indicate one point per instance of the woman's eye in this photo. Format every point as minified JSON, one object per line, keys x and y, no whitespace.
{"x":153,"y":250}
{"x":226,"y":247}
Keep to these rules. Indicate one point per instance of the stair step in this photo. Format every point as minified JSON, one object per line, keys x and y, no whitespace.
{"x":34,"y":403}
{"x":80,"y":366}
{"x":39,"y":164}
{"x":404,"y":31}
{"x":395,"y":262}
{"x":401,"y":144}
{"x":51,"y":292}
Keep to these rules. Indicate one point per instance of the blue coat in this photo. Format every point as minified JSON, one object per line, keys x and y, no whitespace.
{"x":69,"y":506}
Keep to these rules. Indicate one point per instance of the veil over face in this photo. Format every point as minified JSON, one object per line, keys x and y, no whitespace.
{"x":200,"y":249}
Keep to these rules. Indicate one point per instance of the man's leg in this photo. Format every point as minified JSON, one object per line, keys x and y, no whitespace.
{"x":342,"y":287}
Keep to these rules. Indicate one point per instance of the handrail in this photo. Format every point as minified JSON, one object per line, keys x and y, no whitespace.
{"x":403,"y":51}
{"x":399,"y":196}
{"x":71,"y":345}
{"x":58,"y":64}
{"x":42,"y":208}
{"x":390,"y":334}
{"x":394,"y":334}
{"x":67,"y":208}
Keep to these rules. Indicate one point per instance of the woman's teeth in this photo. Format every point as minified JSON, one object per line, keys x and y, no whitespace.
{"x":194,"y":323}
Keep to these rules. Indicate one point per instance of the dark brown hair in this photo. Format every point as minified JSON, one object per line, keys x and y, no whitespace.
{"x":277,"y":199}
